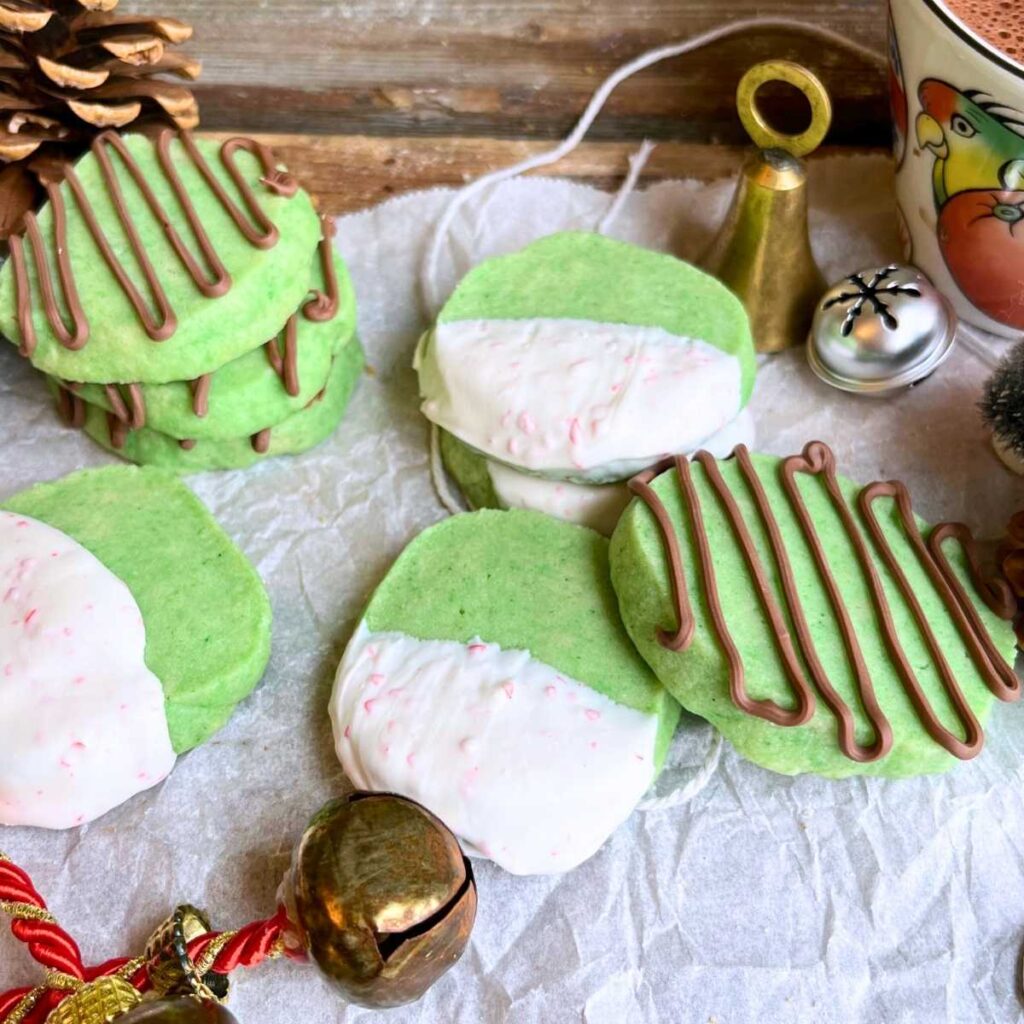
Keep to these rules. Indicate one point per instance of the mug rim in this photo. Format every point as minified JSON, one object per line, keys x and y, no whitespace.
{"x":974,"y":40}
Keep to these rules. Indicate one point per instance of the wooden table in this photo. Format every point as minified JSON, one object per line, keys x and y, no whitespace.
{"x":368,"y":98}
{"x":350,"y":172}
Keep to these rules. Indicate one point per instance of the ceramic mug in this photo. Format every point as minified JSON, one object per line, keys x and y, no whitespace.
{"x":958,"y":116}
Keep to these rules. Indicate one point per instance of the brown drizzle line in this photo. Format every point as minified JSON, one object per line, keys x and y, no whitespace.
{"x":132,"y":413}
{"x":70,"y":406}
{"x":201,"y":395}
{"x":818,"y":460}
{"x":212,"y":280}
{"x":319,"y":308}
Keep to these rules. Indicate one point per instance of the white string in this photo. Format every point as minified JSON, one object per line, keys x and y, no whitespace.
{"x":637,"y":162}
{"x":430,"y":290}
{"x":697,"y":784}
{"x":439,"y":476}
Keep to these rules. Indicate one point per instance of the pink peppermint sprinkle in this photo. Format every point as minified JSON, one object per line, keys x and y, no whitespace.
{"x":395,"y":691}
{"x":526,"y":422}
{"x":616,"y":388}
{"x":377,"y":678}
{"x":628,"y":359}
{"x":506,"y":417}
{"x":392,"y":725}
{"x":368,"y":705}
{"x":549,"y":691}
{"x":574,"y":431}
{"x":410,"y":760}
{"x":592,"y":714}
{"x":593,"y":744}
{"x":476,"y":648}
{"x":31,"y":615}
{"x":78,"y":745}
{"x":510,"y":688}
{"x":513,"y":446}
{"x":579,"y":362}
{"x":78,"y":681}
{"x":348,"y":732}
{"x":467,"y":745}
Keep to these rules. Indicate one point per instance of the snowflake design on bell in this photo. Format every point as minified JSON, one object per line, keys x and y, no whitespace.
{"x":871,"y":291}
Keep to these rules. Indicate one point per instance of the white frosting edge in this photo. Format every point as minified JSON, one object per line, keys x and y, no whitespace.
{"x":527,"y":766}
{"x":580,"y":399}
{"x":82,"y":720}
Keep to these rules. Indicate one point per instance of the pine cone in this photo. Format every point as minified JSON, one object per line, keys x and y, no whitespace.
{"x":70,"y":69}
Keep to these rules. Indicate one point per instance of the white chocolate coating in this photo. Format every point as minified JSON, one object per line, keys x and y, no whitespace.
{"x":526,"y":766}
{"x":82,"y":721}
{"x":598,"y":506}
{"x":579,"y":399}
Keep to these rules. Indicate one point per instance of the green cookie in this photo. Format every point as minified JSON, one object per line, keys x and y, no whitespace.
{"x":469,"y":470}
{"x":698,"y":672}
{"x":266,"y":283}
{"x":206,"y":612}
{"x":526,"y":582}
{"x":301,"y":431}
{"x":247,"y":394}
{"x":580,"y":276}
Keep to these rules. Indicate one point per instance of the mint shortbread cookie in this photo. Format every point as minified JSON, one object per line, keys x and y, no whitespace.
{"x":299,"y":432}
{"x":257,"y":390}
{"x":158,"y":260}
{"x":491,"y":680}
{"x":486,"y":483}
{"x":819,"y":625}
{"x":131,"y":627}
{"x":583,"y":359}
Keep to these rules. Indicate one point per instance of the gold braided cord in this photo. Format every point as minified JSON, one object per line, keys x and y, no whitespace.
{"x":58,"y":979}
{"x":26,"y":912}
{"x":28,"y":1001}
{"x":131,"y":968}
{"x":209,"y":955}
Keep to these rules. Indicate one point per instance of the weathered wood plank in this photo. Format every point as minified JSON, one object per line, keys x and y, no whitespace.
{"x":351,"y":172}
{"x":509,"y":67}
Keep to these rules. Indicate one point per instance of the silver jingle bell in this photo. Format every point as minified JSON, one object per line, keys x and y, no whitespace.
{"x":880,"y":330}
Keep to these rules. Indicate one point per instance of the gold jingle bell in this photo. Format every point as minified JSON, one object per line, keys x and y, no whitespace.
{"x":99,"y":1002}
{"x":383,"y":897}
{"x":178,"y":1011}
{"x":762,"y":252}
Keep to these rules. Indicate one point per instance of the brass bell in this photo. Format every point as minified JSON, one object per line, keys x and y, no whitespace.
{"x":762,"y":252}
{"x":183,"y":1010}
{"x":382,"y":896}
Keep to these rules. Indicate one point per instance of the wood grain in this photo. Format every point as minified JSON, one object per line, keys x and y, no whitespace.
{"x":510,"y":67}
{"x":349,"y":173}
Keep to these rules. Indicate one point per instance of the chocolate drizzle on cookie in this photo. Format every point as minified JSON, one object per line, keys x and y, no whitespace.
{"x":322,"y":306}
{"x":70,"y":406}
{"x":210,"y":275}
{"x":201,"y":394}
{"x":817,"y":460}
{"x":128,"y":407}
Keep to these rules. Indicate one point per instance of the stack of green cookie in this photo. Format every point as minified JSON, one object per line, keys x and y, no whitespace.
{"x":185,"y":301}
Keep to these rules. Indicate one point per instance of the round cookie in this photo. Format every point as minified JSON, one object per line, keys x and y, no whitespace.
{"x":823,"y":628}
{"x":486,"y":483}
{"x":205,"y":618}
{"x":248,"y":394}
{"x":298,"y":433}
{"x":531,"y":727}
{"x":585,"y":359}
{"x":228,"y":237}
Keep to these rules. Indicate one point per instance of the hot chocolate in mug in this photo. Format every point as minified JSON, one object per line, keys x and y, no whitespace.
{"x":956,"y":75}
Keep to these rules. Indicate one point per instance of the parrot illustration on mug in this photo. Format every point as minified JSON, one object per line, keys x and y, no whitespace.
{"x":978,"y":188}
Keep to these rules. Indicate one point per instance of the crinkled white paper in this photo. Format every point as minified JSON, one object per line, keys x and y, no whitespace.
{"x":766,"y":900}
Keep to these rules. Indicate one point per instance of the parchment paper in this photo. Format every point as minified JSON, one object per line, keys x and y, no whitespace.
{"x":767,"y":899}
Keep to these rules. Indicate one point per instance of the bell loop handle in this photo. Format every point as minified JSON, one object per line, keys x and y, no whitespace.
{"x":760,"y":131}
